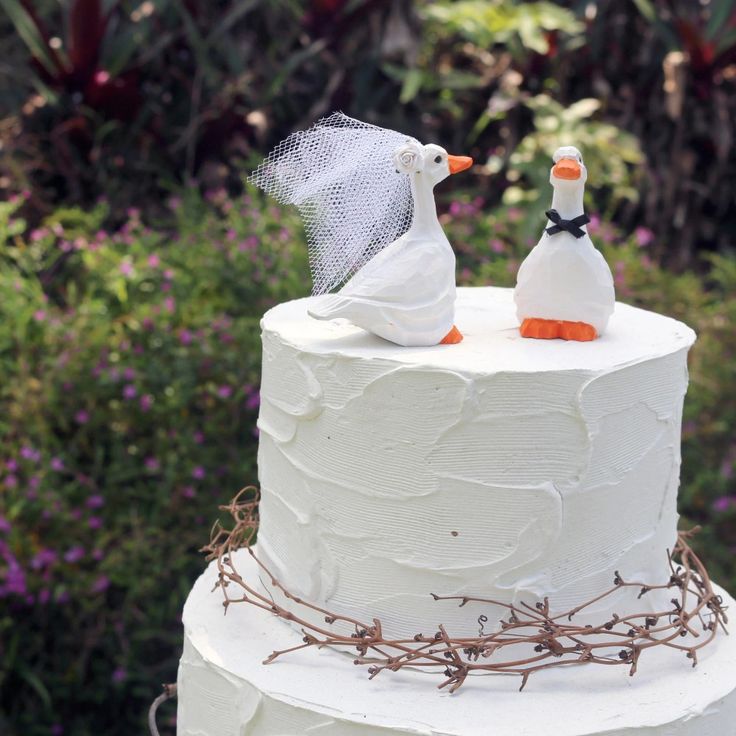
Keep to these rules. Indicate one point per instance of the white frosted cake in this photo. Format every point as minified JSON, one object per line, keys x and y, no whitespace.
{"x":499,"y":467}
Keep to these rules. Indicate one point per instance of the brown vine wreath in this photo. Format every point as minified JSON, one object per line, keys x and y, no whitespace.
{"x":693,"y":621}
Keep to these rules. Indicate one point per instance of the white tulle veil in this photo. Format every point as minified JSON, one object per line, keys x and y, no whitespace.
{"x":340,"y":175}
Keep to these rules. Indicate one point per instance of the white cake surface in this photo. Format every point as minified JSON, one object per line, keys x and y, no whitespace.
{"x":225,"y":690}
{"x":501,"y":467}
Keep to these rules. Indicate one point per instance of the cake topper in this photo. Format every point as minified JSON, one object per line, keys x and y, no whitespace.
{"x":564,"y":287}
{"x":366,"y":197}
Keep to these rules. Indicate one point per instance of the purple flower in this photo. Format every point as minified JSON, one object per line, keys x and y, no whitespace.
{"x":57,"y":464}
{"x":253,"y":401}
{"x":169,"y":274}
{"x":188,"y":492}
{"x":198,"y":472}
{"x":97,"y":554}
{"x":44,"y":596}
{"x":82,"y":416}
{"x":101,"y":584}
{"x":152,"y":463}
{"x":74,"y":554}
{"x":30,"y":453}
{"x":95,"y":501}
{"x":94,"y":522}
{"x":4,"y":525}
{"x":146,"y":402}
{"x":225,"y":392}
{"x":119,"y":674}
{"x":43,"y":558}
{"x":12,"y":465}
{"x":722,"y":503}
{"x":130,"y":391}
{"x":198,"y":437}
{"x":11,"y":481}
{"x":129,"y":374}
{"x":57,"y":729}
{"x":185,"y":337}
{"x":15,"y":578}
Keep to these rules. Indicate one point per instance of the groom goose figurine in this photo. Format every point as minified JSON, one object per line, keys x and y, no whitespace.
{"x":564,"y":288}
{"x":406,"y":293}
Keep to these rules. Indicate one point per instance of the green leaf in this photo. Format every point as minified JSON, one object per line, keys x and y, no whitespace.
{"x":412,"y":85}
{"x":720,"y":14}
{"x":30,"y":34}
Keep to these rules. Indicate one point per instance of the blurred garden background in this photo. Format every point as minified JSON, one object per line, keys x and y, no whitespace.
{"x":135,"y":265}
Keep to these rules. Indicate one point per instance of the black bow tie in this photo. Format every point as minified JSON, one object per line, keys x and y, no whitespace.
{"x":571,"y":226}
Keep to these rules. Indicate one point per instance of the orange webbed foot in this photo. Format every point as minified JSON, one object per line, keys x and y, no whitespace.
{"x":543,"y":329}
{"x":453,"y":337}
{"x":580,"y":331}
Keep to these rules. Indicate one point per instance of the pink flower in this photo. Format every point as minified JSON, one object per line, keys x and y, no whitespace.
{"x":595,"y":224}
{"x":81,"y":417}
{"x":198,"y":472}
{"x":154,"y":261}
{"x":170,"y":304}
{"x":12,"y":465}
{"x":497,"y":246}
{"x":152,"y":463}
{"x":169,"y":274}
{"x":57,"y":464}
{"x":174,"y":203}
{"x":198,"y":437}
{"x":130,"y":391}
{"x":126,"y":268}
{"x":95,"y":501}
{"x":185,"y":337}
{"x":644,"y":236}
{"x":39,"y":315}
{"x":225,"y":392}
{"x":11,"y":481}
{"x":146,"y":402}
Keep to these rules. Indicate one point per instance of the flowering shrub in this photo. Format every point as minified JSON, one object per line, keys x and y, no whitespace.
{"x":131,"y":365}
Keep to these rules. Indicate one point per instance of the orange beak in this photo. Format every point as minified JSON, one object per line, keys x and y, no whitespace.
{"x":459,"y":163}
{"x":566,"y":168}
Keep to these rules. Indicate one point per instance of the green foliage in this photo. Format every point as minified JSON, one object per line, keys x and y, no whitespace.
{"x":519,"y":25}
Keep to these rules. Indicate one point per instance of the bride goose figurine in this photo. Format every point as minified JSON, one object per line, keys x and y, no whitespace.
{"x":564,"y":288}
{"x":368,"y":203}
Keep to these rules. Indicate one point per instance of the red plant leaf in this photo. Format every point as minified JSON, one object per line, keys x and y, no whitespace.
{"x":86,"y":31}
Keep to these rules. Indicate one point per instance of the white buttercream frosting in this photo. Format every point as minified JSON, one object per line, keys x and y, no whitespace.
{"x":225,"y":690}
{"x":500,"y":467}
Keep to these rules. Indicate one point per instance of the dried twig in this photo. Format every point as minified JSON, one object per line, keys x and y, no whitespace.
{"x":691,"y":623}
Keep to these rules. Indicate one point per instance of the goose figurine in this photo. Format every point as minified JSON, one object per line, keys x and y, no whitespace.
{"x":406,"y":293}
{"x":366,"y":196}
{"x":564,"y":288}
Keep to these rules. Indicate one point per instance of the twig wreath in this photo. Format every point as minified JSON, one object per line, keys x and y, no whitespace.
{"x":691,"y":623}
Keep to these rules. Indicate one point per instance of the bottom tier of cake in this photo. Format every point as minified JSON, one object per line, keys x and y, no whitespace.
{"x":225,"y":690}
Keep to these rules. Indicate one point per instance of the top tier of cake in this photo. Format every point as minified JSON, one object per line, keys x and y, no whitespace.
{"x":500,"y":467}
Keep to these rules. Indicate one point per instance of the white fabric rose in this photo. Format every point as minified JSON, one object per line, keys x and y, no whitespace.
{"x":409,"y":158}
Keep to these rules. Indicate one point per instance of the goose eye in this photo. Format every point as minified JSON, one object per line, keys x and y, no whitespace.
{"x":437,"y":159}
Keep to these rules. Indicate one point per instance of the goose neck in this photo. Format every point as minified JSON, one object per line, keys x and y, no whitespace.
{"x":425,"y":209}
{"x":568,"y":202}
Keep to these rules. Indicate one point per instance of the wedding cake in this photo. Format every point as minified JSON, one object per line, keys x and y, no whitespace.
{"x":503,"y":468}
{"x":466,"y":489}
